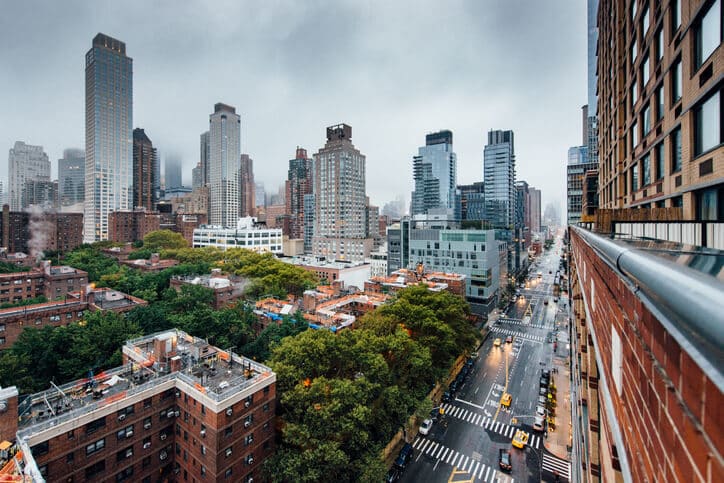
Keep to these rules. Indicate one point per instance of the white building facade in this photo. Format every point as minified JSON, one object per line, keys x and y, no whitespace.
{"x":243,"y":235}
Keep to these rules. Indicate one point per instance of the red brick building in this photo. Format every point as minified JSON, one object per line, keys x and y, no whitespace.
{"x":645,"y":366}
{"x":227,"y":289}
{"x":49,"y":281}
{"x":61,"y":231}
{"x":129,"y":226}
{"x":178,"y":409}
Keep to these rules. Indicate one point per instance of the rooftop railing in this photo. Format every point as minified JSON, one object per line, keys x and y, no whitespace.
{"x":690,"y":301}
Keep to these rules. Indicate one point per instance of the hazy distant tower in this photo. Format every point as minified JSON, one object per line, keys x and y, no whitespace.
{"x":25,"y":163}
{"x":71,"y":178}
{"x":339,"y":190}
{"x":108,"y":134}
{"x":224,"y":155}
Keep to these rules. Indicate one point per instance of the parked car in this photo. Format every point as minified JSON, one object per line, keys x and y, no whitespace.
{"x":446,"y":397}
{"x":453,"y":387}
{"x":425,"y":427}
{"x":544,"y":382}
{"x":545,"y":302}
{"x":393,"y":475}
{"x":509,"y":339}
{"x":504,"y":460}
{"x":539,"y":423}
{"x":506,"y":399}
{"x":497,"y":342}
{"x":540,"y":411}
{"x":405,"y":456}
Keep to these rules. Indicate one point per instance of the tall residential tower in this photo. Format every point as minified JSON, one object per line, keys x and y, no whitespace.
{"x":224,"y":155}
{"x":145,"y":160}
{"x":108,"y":134}
{"x":71,"y":178}
{"x":499,"y":176}
{"x":26,"y":163}
{"x":339,"y":189}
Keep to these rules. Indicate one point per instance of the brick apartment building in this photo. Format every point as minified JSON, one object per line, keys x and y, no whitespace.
{"x":129,"y":226}
{"x":62,"y":312}
{"x":399,"y":279}
{"x":50,"y":281}
{"x":178,"y":409}
{"x":61,"y":231}
{"x":660,"y":68}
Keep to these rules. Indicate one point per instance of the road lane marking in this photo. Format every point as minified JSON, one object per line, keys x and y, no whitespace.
{"x":424,"y":446}
{"x":431,"y":449}
{"x":469,"y":403}
{"x":444,"y":454}
{"x":492,"y":477}
{"x":487,"y":470}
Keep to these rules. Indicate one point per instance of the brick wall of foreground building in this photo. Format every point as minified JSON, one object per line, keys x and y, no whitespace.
{"x":663,"y":407}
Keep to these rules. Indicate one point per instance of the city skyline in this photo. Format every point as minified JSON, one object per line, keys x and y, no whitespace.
{"x":268,"y":79}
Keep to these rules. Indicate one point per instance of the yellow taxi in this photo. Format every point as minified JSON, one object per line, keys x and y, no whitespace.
{"x":506,"y":399}
{"x":496,"y":342}
{"x":520,"y":439}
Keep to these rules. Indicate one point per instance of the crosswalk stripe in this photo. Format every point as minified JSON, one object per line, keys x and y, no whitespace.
{"x":487,"y":470}
{"x":424,"y":446}
{"x":431,"y":449}
{"x":509,"y":433}
{"x":471,"y":417}
{"x":497,"y":426}
{"x":534,"y":440}
{"x":417,"y":442}
{"x":492,"y":477}
{"x":480,"y":471}
{"x":461,"y":465}
{"x":455,"y":459}
{"x":477,"y":419}
{"x":437,"y":453}
{"x":470,"y":465}
{"x":444,"y":454}
{"x":477,"y":465}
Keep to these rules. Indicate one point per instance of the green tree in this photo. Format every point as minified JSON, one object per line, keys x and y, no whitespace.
{"x":163,"y":240}
{"x":92,"y":261}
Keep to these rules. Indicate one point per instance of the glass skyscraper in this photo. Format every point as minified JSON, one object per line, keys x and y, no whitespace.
{"x":435,"y":174}
{"x":71,"y":177}
{"x":108,"y":134}
{"x":224,"y":164}
{"x":499,"y":176}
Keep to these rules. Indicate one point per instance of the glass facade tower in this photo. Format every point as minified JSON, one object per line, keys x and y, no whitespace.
{"x":108,"y":134}
{"x":435,"y":174}
{"x":499,"y":176}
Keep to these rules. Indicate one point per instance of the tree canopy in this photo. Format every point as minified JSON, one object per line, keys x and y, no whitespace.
{"x":164,"y":240}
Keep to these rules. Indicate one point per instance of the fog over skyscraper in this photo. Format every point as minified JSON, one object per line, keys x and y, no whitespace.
{"x":108,"y":134}
{"x":224,"y":165}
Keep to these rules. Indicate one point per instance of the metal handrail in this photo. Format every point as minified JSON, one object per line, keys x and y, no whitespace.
{"x":691,"y":303}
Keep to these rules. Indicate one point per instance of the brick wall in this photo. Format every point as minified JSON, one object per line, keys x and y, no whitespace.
{"x":667,"y":409}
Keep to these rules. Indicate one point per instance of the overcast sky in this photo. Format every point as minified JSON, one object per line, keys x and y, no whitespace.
{"x":393,"y":70}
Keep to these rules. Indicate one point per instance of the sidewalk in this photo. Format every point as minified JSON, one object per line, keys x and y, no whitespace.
{"x":559,"y":439}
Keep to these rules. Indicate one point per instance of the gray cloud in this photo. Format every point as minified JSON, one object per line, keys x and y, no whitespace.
{"x":393,"y":70}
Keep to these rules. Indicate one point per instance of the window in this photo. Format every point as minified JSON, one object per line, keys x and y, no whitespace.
{"x":646,"y":117}
{"x":676,"y":14}
{"x":124,"y":433}
{"x":660,"y":102}
{"x":710,"y":204}
{"x":248,"y":439}
{"x":645,"y":71}
{"x":124,"y":453}
{"x":660,"y":44}
{"x":660,"y":161}
{"x":40,"y":448}
{"x":634,"y":94}
{"x":633,"y":11}
{"x":707,"y":124}
{"x":146,"y":462}
{"x":676,"y":82}
{"x":227,"y":473}
{"x":676,"y":150}
{"x":125,"y":474}
{"x":147,"y":402}
{"x":634,"y":136}
{"x":634,"y":178}
{"x":94,"y":426}
{"x":708,"y":34}
{"x":2,"y":327}
{"x":95,"y":447}
{"x":69,"y":457}
{"x":645,"y":20}
{"x":95,"y":468}
{"x":228,"y":431}
{"x":646,"y":170}
{"x":634,"y":51}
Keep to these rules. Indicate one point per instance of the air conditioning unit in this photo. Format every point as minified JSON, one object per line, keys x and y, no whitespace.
{"x":247,"y":404}
{"x":229,"y":412}
{"x":129,"y":433}
{"x":147,"y":426}
{"x":247,"y":424}
{"x":177,"y":470}
{"x":163,"y":455}
{"x":164,"y":436}
{"x":177,"y":413}
{"x":170,"y":414}
{"x":129,"y":453}
{"x":203,"y":433}
{"x":250,"y":480}
{"x":228,"y":452}
{"x":250,"y":460}
{"x":178,"y":393}
{"x":147,"y":445}
{"x":121,"y":417}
